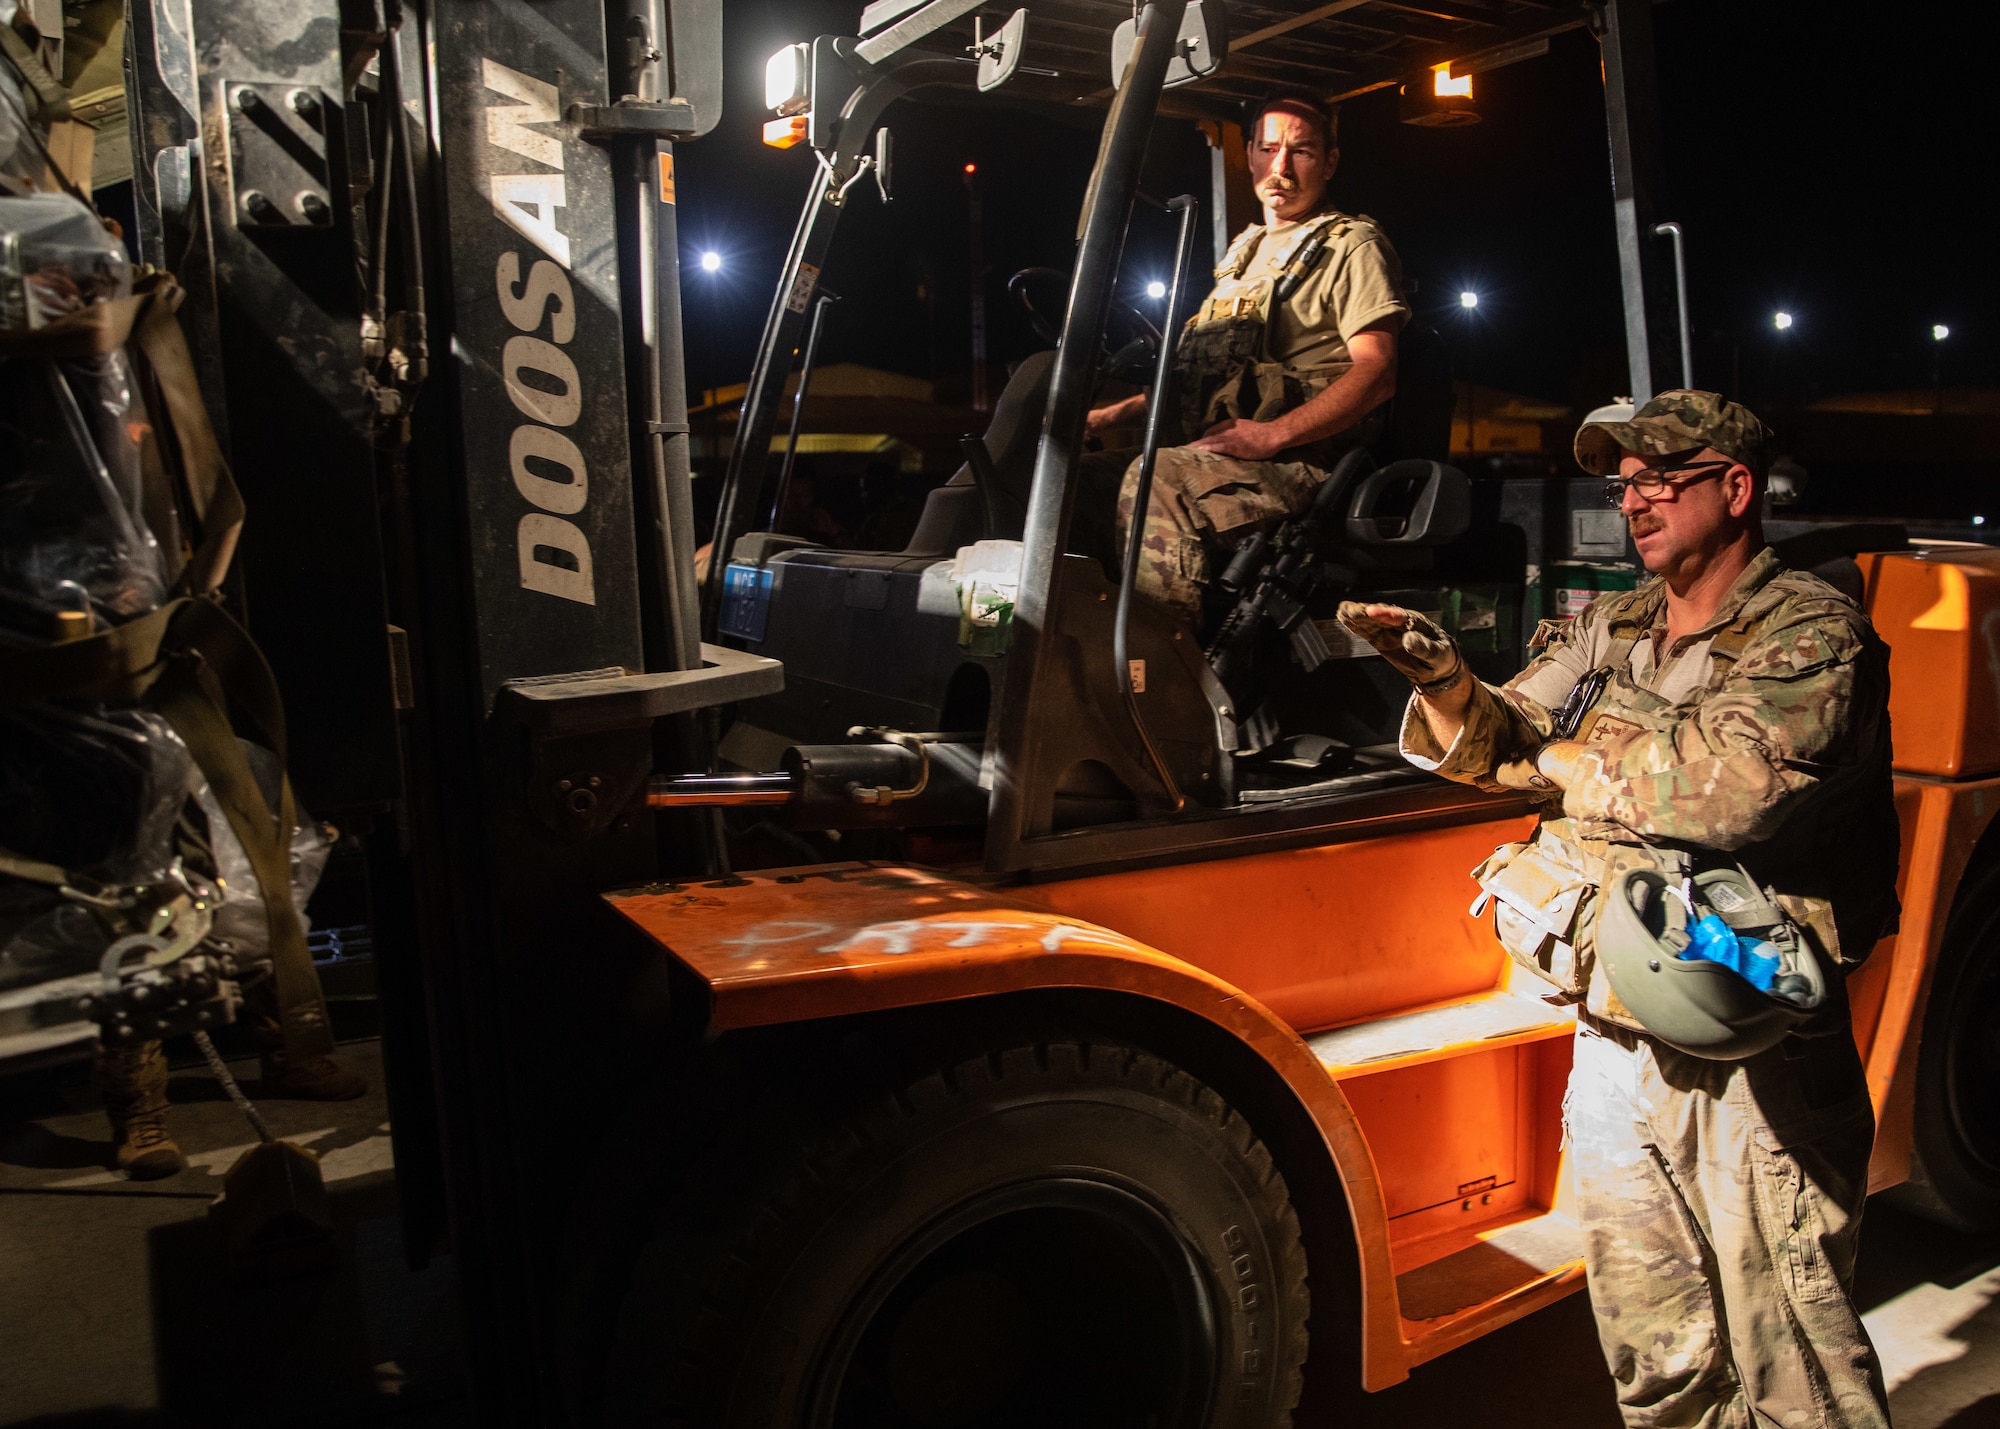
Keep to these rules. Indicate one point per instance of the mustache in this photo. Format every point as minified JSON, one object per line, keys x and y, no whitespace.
{"x":1278,"y":181}
{"x":1644,"y":525}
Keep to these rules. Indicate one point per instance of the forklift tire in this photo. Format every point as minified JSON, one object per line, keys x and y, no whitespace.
{"x":1059,"y":1235}
{"x":1955,"y":1152}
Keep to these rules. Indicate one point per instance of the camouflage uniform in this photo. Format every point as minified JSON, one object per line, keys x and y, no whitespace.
{"x":1247,"y":355}
{"x":1719,"y":1200}
{"x":1202,"y":501}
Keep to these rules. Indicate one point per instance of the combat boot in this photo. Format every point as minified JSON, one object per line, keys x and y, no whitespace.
{"x":317,"y":1079}
{"x":133,"y":1079}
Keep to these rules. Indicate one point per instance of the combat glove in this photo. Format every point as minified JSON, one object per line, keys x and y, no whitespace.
{"x":1425,"y":655}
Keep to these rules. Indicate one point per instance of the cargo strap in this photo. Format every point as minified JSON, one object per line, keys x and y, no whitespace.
{"x":212,"y":491}
{"x":31,"y":869}
{"x":52,"y":98}
{"x":87,"y":332}
{"x":202,"y":676}
{"x":194,"y":664}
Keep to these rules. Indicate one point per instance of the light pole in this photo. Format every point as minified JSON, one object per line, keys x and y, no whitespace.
{"x":1939,"y":332}
{"x":1782,"y":322}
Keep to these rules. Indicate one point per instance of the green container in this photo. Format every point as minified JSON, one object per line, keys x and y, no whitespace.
{"x":1566,"y":587}
{"x":985,"y":619}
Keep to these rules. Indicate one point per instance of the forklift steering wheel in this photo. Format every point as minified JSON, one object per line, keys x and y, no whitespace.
{"x":1142,"y":338}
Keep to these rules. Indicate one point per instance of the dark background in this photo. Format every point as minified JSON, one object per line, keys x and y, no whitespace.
{"x":1826,"y":160}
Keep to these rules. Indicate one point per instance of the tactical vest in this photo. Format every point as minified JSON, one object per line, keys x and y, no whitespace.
{"x":1545,"y":891}
{"x":1223,"y":366}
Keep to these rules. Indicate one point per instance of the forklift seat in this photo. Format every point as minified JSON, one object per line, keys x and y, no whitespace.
{"x":964,"y":510}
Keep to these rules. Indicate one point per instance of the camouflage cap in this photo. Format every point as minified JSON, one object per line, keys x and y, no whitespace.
{"x":1675,"y":422}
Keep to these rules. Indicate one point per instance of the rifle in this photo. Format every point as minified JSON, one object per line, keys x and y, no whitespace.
{"x":1276,"y":574}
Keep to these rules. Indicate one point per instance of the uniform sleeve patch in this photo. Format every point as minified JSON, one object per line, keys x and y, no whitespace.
{"x":1608,"y":727}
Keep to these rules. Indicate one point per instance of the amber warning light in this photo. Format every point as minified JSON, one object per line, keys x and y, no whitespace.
{"x":1442,"y":102}
{"x":783,"y":133}
{"x":972,"y":168}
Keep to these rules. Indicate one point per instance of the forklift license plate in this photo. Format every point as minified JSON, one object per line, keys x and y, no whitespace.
{"x":746,"y":601}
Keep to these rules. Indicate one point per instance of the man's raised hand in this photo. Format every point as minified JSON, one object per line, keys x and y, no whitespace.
{"x":1412,"y":643}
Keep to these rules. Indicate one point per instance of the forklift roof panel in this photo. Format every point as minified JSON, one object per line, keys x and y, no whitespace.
{"x":1336,"y":50}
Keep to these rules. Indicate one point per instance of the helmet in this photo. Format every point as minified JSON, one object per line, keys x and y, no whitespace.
{"x":1704,"y":1008}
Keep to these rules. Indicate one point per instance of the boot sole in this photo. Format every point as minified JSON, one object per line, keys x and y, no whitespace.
{"x":155,"y":1165}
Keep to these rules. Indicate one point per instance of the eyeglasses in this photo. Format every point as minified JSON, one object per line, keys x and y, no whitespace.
{"x":1654,"y":481}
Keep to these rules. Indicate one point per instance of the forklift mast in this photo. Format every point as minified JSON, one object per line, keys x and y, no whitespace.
{"x":431,"y":258}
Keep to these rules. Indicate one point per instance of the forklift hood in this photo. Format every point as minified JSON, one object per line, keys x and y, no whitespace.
{"x":787,"y":945}
{"x":784,"y":945}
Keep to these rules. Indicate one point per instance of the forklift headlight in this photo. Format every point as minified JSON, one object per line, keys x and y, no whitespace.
{"x":788,"y":80}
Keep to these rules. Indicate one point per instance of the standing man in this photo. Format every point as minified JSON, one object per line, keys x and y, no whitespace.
{"x":1290,"y":362}
{"x":1730,"y":713}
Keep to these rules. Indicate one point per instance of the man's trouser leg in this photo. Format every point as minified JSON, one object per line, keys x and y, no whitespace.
{"x":133,"y":1078}
{"x":319,"y":1079}
{"x":1721,"y":1203}
{"x":1201,"y":505}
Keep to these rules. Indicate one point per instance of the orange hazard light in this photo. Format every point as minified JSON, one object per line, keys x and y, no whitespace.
{"x":783,"y":133}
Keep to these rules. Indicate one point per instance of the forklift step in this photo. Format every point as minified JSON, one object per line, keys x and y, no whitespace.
{"x":1478,"y":1024}
{"x":1500,"y":1263}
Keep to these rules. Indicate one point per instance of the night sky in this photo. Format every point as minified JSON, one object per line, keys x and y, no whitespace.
{"x":1823,"y":161}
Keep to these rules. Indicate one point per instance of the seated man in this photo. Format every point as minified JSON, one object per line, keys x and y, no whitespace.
{"x":1290,"y":362}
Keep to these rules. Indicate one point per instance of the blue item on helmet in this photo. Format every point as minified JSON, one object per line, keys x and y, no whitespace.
{"x":1752,"y":959}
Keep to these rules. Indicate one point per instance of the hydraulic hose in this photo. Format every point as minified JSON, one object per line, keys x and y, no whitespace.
{"x":416,"y":342}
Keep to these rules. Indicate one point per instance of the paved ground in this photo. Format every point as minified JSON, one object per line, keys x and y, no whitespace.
{"x":117,"y":1311}
{"x":114,"y":1310}
{"x":1931,"y":1300}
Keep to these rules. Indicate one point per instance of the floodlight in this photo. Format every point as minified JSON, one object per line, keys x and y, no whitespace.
{"x":788,"y":81}
{"x":711,"y":261}
{"x":1939,"y":332}
{"x":1156,"y":289}
{"x":1781,"y":321}
{"x":1468,"y":299}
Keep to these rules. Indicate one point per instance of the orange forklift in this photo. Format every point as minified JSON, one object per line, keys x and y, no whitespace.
{"x":1189,"y":960}
{"x":1113,"y":1046}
